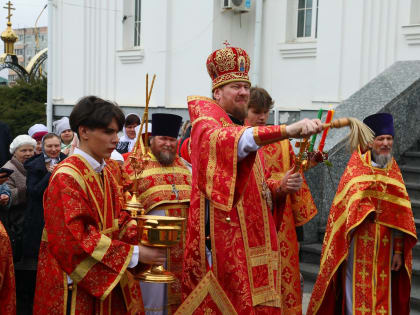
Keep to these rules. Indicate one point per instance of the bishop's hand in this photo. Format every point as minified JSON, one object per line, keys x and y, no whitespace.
{"x":291,"y":182}
{"x":304,"y":128}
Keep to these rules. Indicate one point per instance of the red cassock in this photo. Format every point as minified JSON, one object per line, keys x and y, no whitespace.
{"x":369,"y":203}
{"x":289,"y":212}
{"x":7,"y":275}
{"x":88,"y":238}
{"x":168,"y":188}
{"x":245,"y":252}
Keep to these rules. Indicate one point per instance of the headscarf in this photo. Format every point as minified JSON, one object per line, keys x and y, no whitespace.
{"x":125,"y":138}
{"x":48,"y":159}
{"x":61,"y":125}
{"x":37,"y":131}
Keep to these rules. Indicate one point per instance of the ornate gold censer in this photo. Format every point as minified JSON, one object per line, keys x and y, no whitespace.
{"x":154,"y":231}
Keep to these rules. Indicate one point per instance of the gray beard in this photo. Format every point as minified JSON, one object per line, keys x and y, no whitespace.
{"x":381,"y":159}
{"x":165,"y":158}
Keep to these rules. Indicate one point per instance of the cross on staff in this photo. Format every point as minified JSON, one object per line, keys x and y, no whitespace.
{"x":9,"y":8}
{"x":226,"y":43}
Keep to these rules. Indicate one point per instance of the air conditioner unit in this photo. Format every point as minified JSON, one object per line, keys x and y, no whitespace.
{"x":237,"y":5}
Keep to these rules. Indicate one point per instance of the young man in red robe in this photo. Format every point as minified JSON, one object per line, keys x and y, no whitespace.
{"x":293,"y":205}
{"x":164,"y":189}
{"x":232,"y":257}
{"x":366,"y":256}
{"x":88,"y":244}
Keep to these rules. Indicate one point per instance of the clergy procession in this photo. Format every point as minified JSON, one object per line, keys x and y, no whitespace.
{"x":131,"y":214}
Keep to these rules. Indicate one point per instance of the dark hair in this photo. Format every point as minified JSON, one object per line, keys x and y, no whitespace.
{"x":132,"y":119}
{"x":260,"y":99}
{"x":50,"y":135}
{"x":94,"y":112}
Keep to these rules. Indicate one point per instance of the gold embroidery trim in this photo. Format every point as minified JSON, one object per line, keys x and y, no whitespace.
{"x":96,"y":176}
{"x":357,"y":196}
{"x":212,"y":161}
{"x":199,"y":98}
{"x":203,"y":118}
{"x":98,"y":253}
{"x":66,"y":169}
{"x":366,"y":178}
{"x":65,"y":293}
{"x":160,"y":188}
{"x":69,"y":169}
{"x":208,"y":285}
{"x":162,"y":171}
{"x":202,"y":237}
{"x":73,"y":300}
{"x":256,"y":136}
{"x":44,"y":236}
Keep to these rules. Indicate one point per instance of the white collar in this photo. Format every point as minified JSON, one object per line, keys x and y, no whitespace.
{"x":374,"y":164}
{"x":97,"y":167}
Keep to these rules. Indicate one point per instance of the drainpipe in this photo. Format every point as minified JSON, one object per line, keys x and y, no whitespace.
{"x":257,"y":42}
{"x":50,"y":65}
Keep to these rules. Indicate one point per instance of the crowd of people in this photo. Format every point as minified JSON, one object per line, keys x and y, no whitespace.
{"x":68,"y":245}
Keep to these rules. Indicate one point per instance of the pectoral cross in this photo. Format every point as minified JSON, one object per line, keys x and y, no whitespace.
{"x":9,"y":8}
{"x":175,"y":191}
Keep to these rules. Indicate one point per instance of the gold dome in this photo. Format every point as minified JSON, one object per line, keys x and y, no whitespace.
{"x":9,"y":38}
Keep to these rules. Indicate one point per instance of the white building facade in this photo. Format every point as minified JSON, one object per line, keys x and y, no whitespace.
{"x":307,"y":53}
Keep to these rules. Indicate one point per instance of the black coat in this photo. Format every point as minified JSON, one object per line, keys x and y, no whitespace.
{"x":37,"y":178}
{"x":5,"y":140}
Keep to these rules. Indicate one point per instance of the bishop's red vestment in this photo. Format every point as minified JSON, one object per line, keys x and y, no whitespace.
{"x":87,"y":238}
{"x":231,"y":197}
{"x":369,"y":204}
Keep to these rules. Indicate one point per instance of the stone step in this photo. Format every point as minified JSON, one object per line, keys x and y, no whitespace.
{"x":416,"y":249}
{"x":410,"y":173}
{"x":415,"y":206}
{"x":417,"y":223}
{"x":311,"y":253}
{"x":411,"y":158}
{"x":415,"y":298}
{"x":413,"y":189}
{"x":309,"y":272}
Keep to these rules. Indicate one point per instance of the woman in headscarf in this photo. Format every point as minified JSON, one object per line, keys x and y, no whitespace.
{"x":21,"y":148}
{"x":63,"y":130}
{"x":127,"y":141}
{"x":37,"y":131}
{"x":39,"y":169}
